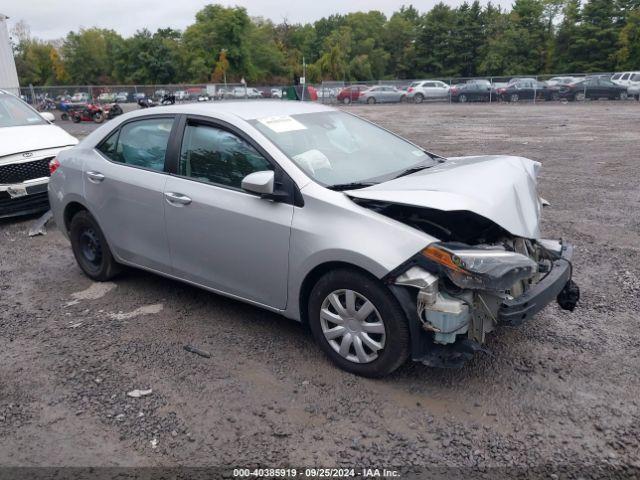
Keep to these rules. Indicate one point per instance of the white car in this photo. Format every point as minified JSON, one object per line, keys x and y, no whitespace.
{"x":80,"y":97}
{"x":28,"y":142}
{"x":552,"y":82}
{"x":625,"y":78}
{"x":276,"y":93}
{"x":181,"y":95}
{"x":427,"y":89}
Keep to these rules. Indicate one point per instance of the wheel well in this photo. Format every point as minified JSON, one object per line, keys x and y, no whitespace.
{"x":312,"y":278}
{"x":70,"y":211}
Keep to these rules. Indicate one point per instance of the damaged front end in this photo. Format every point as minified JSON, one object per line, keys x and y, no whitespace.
{"x":458,"y":290}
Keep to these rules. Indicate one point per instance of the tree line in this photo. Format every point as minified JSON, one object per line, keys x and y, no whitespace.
{"x":225,"y":43}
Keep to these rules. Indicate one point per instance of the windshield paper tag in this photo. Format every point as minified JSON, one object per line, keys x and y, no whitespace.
{"x":282,"y":124}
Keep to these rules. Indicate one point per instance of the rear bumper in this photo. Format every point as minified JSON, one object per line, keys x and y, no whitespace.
{"x":515,"y":311}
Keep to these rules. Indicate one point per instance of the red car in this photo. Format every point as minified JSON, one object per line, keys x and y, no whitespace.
{"x":351,"y":93}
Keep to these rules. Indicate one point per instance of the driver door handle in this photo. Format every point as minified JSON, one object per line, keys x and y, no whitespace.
{"x":95,"y":177}
{"x":177,"y":198}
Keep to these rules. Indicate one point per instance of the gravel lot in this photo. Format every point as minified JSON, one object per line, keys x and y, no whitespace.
{"x":560,"y":393}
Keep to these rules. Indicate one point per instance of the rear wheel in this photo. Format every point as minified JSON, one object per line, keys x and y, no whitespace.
{"x":403,"y":99}
{"x":623,"y":96}
{"x":462,"y":98}
{"x":346,"y":100}
{"x":514,"y":98}
{"x":580,"y":97}
{"x":98,"y":117}
{"x":418,"y":98}
{"x":91,"y":249}
{"x":76,"y":118}
{"x":358,"y":323}
{"x":371,"y":100}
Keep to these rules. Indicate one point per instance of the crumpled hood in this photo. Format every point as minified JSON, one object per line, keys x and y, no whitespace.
{"x":500,"y":188}
{"x":33,"y":137}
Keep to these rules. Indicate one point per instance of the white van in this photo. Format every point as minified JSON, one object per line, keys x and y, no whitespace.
{"x":625,"y":78}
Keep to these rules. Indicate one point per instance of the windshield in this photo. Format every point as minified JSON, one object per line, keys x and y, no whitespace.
{"x":335,"y":148}
{"x":15,"y":113}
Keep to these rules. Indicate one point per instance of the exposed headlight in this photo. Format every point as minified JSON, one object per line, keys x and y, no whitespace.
{"x":480,"y":268}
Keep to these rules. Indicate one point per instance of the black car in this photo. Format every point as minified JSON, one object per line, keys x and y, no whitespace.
{"x":528,"y":89}
{"x":594,"y":88}
{"x":472,"y":91}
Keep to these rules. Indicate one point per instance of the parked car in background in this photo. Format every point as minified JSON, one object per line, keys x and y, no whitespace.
{"x":122,"y":97}
{"x":80,"y":97}
{"x":276,"y":93}
{"x":624,"y":78}
{"x":385,"y":251}
{"x":181,"y":95}
{"x":139,"y":96}
{"x":427,"y":90}
{"x":528,"y":89}
{"x":634,"y":90}
{"x":593,"y":88}
{"x":28,"y":142}
{"x":472,"y":91}
{"x":106,"y":97}
{"x":382,"y":94}
{"x":350,"y":94}
{"x":553,"y":81}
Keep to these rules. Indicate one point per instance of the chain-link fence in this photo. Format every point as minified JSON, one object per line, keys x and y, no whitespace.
{"x":536,"y":88}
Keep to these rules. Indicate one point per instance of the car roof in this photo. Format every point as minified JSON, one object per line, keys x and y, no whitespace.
{"x":245,"y":109}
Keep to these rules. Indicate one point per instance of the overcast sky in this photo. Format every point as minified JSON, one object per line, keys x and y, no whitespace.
{"x":52,"y":19}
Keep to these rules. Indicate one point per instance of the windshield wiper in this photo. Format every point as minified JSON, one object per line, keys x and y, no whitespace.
{"x":350,"y":186}
{"x":414,"y":169}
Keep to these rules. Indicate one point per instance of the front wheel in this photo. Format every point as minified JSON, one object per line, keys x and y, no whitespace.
{"x":580,"y":97}
{"x":346,"y":100}
{"x":623,"y":96}
{"x":358,"y":323}
{"x":418,"y":98}
{"x":514,"y":98}
{"x":98,"y":117}
{"x":371,"y":100}
{"x":91,"y":249}
{"x":462,"y":98}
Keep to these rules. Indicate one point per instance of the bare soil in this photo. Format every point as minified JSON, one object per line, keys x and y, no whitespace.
{"x":561,"y":392}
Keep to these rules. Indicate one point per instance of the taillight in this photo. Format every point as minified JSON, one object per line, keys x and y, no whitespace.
{"x":410,"y":89}
{"x":53,"y":165}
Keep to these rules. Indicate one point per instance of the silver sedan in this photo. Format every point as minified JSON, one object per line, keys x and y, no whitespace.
{"x":382,"y":94}
{"x":385,"y":250}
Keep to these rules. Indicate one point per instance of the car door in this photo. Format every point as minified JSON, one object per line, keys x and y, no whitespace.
{"x":124,"y":185}
{"x":220,"y":236}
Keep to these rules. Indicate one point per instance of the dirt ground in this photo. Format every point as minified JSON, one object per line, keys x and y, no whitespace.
{"x":560,"y":393}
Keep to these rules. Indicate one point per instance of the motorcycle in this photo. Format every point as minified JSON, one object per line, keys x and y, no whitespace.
{"x":96,"y":113}
{"x":146,"y":103}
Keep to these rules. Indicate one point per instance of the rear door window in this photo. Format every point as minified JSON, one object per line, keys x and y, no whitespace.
{"x":143,"y":143}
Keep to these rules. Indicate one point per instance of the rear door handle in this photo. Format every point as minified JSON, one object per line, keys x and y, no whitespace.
{"x":95,"y":177}
{"x":177,"y":198}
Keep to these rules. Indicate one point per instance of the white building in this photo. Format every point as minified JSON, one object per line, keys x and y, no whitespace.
{"x":8,"y":72}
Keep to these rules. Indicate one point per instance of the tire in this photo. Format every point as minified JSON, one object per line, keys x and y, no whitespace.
{"x":579,"y":97}
{"x":418,"y":98}
{"x":555,"y":96}
{"x":391,"y":346}
{"x":403,"y":99}
{"x":622,"y":96}
{"x":514,"y":97}
{"x":371,"y":100}
{"x":91,"y":249}
{"x":462,"y":98}
{"x":346,"y":100}
{"x":64,"y":117}
{"x":76,"y":118}
{"x":98,"y":117}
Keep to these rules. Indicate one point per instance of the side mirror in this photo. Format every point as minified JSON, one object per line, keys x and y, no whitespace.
{"x":259,"y":182}
{"x":48,"y":116}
